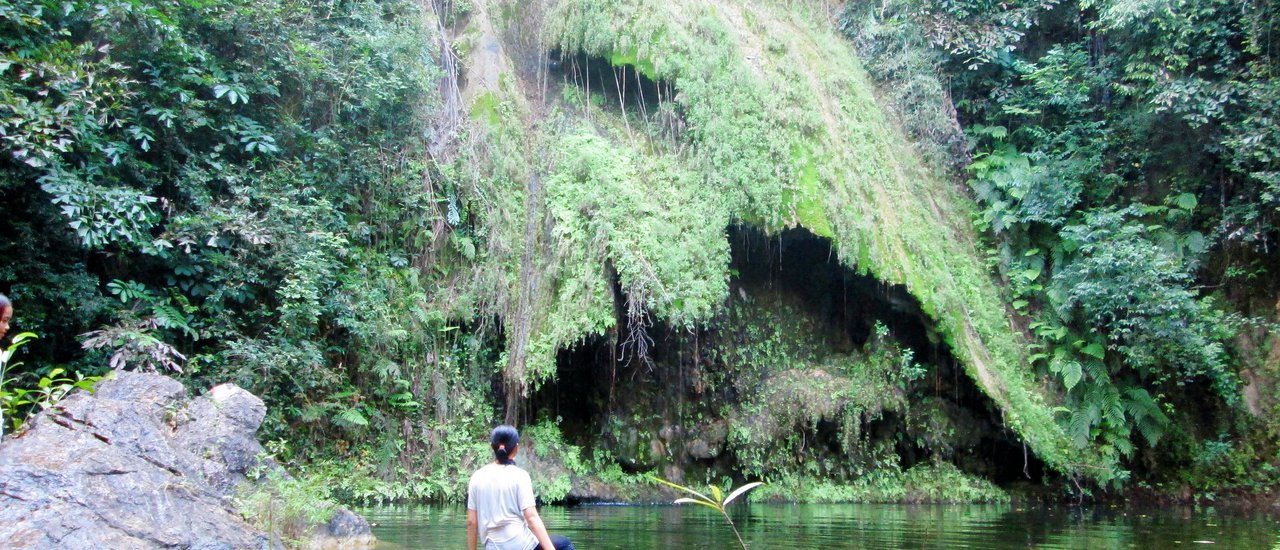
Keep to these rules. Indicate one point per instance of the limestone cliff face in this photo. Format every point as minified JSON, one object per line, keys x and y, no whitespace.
{"x":139,"y":465}
{"x":613,"y":145}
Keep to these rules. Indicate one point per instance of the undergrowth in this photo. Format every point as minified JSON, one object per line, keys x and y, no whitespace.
{"x":284,"y":507}
{"x":923,"y":483}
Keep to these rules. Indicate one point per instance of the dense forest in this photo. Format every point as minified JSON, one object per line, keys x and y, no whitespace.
{"x":867,"y":251}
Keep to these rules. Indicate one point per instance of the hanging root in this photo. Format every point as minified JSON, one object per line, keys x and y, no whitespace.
{"x":636,"y":346}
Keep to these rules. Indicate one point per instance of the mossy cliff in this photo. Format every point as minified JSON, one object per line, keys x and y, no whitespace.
{"x":718,"y":239}
{"x":610,"y":147}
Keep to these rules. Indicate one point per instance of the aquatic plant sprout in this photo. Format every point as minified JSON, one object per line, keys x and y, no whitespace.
{"x":718,"y":503}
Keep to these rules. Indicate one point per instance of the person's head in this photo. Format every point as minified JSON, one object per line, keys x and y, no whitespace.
{"x":504,"y":440}
{"x":6,"y":313}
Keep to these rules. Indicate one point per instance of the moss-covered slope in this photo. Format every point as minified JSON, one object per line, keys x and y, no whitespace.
{"x":779,"y":128}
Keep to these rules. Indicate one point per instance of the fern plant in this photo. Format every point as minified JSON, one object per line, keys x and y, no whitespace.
{"x":718,"y":503}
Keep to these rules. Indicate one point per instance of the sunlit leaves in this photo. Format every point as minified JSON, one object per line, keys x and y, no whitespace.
{"x":217,"y":176}
{"x":233,"y":93}
{"x":1094,"y":350}
{"x":104,"y":216}
{"x":141,"y":135}
{"x":351,"y":418}
{"x":1124,"y":284}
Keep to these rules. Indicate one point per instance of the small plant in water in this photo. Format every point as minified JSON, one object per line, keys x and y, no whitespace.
{"x":718,"y":503}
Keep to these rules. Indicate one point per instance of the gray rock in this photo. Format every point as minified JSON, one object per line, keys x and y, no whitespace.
{"x":136,"y":465}
{"x":218,"y":430}
{"x":346,"y":523}
{"x":708,"y":441}
{"x":345,"y":530}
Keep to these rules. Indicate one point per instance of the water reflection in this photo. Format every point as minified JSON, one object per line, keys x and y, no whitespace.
{"x":803,"y":527}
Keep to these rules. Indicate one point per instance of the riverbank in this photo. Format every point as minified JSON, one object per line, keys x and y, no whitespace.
{"x":564,"y":473}
{"x":820,"y":526}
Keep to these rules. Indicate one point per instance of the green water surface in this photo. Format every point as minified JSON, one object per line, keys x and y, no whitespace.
{"x":822,"y":526}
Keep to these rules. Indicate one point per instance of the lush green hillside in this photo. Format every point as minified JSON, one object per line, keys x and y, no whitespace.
{"x":850,"y":250}
{"x":785,"y":130}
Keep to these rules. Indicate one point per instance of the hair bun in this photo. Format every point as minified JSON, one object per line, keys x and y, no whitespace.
{"x":504,"y":441}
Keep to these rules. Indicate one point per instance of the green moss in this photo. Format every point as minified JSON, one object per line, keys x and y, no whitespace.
{"x":632,"y":58}
{"x":644,"y":216}
{"x":807,"y":203}
{"x":923,"y":483}
{"x":795,"y":138}
{"x":485,"y":109}
{"x":562,"y":469}
{"x":780,"y":364}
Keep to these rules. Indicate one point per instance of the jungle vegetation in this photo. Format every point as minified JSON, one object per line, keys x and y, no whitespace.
{"x":400,"y":222}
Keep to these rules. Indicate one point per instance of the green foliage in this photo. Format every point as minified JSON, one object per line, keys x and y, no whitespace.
{"x":779,"y":363}
{"x":290,"y":510}
{"x":1225,"y":465}
{"x":664,"y":238}
{"x":171,"y":126}
{"x":243,"y":191}
{"x":1123,"y":284}
{"x":1124,"y":173}
{"x":647,"y":223}
{"x":558,"y":466}
{"x":802,"y":106}
{"x":236,"y":191}
{"x":718,"y":501}
{"x":908,"y":76}
{"x":19,"y":402}
{"x":923,"y":483}
{"x":51,"y":388}
{"x":134,"y":341}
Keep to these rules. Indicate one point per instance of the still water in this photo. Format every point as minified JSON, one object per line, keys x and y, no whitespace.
{"x":825,"y":526}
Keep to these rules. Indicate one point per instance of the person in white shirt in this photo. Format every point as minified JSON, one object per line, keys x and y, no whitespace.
{"x":6,"y":313}
{"x":500,"y":507}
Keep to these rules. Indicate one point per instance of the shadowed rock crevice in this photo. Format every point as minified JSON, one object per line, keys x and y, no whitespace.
{"x":810,"y":363}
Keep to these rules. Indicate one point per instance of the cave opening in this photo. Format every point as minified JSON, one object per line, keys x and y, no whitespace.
{"x":673,"y":411}
{"x":623,"y":90}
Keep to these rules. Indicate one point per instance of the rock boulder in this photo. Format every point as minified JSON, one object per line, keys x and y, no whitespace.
{"x":138,"y":465}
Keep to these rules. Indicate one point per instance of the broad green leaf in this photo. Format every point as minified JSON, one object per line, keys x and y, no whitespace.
{"x":701,"y":502}
{"x":1094,"y":350}
{"x":1186,"y":201}
{"x":741,"y":491}
{"x":1195,"y":243}
{"x":351,"y":417}
{"x":1071,"y":374}
{"x":679,"y":487}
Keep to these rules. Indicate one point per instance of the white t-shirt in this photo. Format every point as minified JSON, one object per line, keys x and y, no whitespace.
{"x":499,"y":494}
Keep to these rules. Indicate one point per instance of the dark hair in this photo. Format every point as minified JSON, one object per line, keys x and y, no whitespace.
{"x":503,"y":440}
